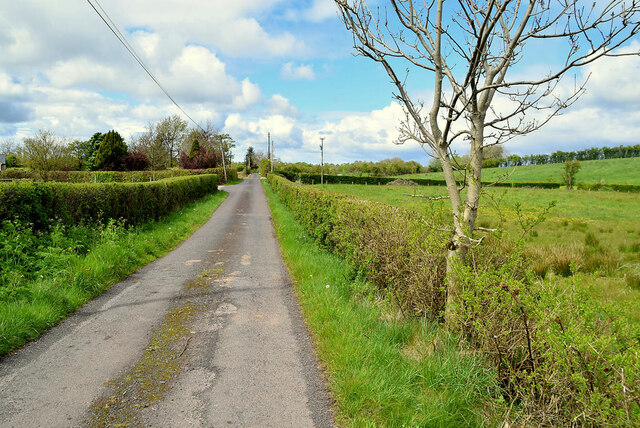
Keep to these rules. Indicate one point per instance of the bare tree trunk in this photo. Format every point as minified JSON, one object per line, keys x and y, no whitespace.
{"x":456,"y":250}
{"x":465,"y":213}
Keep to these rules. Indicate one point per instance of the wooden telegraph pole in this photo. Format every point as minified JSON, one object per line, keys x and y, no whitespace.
{"x":321,"y":160}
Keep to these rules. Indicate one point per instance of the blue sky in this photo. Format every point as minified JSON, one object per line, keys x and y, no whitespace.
{"x":250,"y":67}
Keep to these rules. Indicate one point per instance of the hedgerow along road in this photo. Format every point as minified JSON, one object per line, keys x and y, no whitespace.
{"x":208,"y":335}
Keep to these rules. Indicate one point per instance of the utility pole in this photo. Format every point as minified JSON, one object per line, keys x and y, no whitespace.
{"x":269,"y":147}
{"x":321,"y":160}
{"x":273,"y":156}
{"x":224,"y":167}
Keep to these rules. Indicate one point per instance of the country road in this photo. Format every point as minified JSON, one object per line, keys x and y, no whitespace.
{"x":209,"y":335}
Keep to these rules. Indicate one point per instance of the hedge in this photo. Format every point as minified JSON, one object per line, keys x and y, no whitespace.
{"x":42,"y":203}
{"x":563,"y":357}
{"x":351,"y":179}
{"x":634,"y":188}
{"x":112,"y":176}
{"x":398,"y":250}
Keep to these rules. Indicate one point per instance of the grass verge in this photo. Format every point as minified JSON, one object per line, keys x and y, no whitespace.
{"x":383,"y":370}
{"x":70,"y":278}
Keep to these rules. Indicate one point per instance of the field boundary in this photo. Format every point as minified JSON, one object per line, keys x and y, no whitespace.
{"x":306,"y":178}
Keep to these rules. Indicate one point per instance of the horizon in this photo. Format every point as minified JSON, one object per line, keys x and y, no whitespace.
{"x":281,"y":67}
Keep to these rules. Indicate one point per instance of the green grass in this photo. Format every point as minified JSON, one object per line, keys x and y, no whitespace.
{"x":596,"y":231}
{"x":383,"y":370}
{"x":67,"y":277}
{"x":606,"y":171}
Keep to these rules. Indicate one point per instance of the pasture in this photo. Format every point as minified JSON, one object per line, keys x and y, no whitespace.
{"x":591,"y":239}
{"x":606,"y":171}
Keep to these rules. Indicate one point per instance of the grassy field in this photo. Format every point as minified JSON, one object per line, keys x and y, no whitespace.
{"x":589,"y":237}
{"x":383,"y":370}
{"x":607,"y":171}
{"x":47,"y":276}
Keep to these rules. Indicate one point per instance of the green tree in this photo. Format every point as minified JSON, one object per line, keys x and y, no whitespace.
{"x":195,"y":148}
{"x":571,"y":168}
{"x":12,"y":161}
{"x":224,"y":143}
{"x":264,"y":167}
{"x":85,"y":151}
{"x":249,"y":159}
{"x":111,"y":152}
{"x":46,"y":152}
{"x":171,"y":131}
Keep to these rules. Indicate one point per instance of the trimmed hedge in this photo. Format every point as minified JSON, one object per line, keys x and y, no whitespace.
{"x":398,"y":250}
{"x":564,"y":357}
{"x":351,"y":179}
{"x":43,"y":203}
{"x":634,"y":188}
{"x":112,"y":176}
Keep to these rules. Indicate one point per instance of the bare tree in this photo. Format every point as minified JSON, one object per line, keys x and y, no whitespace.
{"x":150,"y":144}
{"x":467,"y":49}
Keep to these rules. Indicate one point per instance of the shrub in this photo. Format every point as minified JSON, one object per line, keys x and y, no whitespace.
{"x":201,"y":158}
{"x":12,"y":161}
{"x":136,"y":160}
{"x":43,"y":204}
{"x":563,"y":358}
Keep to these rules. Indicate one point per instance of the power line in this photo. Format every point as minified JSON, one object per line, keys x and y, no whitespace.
{"x":116,"y":32}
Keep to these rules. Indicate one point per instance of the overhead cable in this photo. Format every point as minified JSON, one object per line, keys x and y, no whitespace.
{"x":116,"y":32}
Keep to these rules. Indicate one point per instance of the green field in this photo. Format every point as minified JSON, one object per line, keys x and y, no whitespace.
{"x":597,"y":232}
{"x":608,"y":171}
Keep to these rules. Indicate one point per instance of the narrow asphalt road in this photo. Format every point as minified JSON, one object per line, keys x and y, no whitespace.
{"x":241,"y":355}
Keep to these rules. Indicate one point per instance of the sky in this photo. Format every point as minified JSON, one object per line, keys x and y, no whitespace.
{"x":249,"y":67}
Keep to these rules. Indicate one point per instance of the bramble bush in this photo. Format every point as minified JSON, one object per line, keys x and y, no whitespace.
{"x":563,"y":358}
{"x":44,"y":204}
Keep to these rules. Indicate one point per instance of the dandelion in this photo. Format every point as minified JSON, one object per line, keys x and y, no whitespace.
{"x":328,"y":286}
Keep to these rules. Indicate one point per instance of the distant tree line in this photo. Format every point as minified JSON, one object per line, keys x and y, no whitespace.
{"x":383,"y":168}
{"x":594,"y":153}
{"x":165,"y":144}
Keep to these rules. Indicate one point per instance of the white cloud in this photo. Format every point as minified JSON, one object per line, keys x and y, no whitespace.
{"x":8,"y":87}
{"x":146,"y":42}
{"x":319,"y":11}
{"x":301,"y":72}
{"x":279,"y":105}
{"x":249,"y":95}
{"x":79,"y":71}
{"x":349,"y":137}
